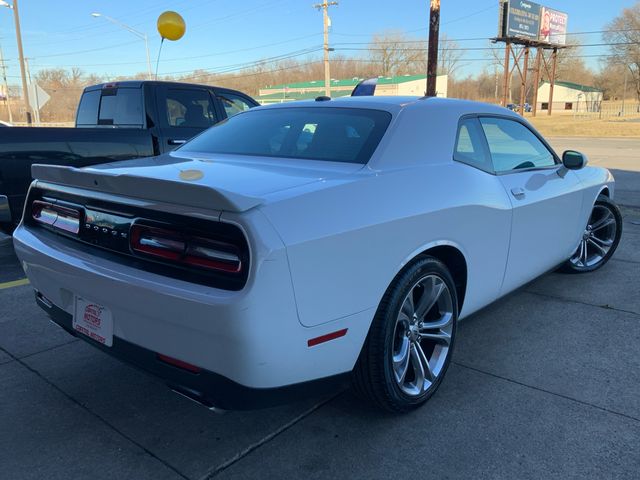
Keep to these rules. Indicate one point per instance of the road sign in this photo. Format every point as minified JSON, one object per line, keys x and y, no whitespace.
{"x":37,"y":97}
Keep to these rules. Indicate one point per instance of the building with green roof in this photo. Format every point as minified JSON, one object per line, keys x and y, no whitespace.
{"x":395,"y":86}
{"x":569,"y":97}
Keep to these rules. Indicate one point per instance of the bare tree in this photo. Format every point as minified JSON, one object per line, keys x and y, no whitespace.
{"x":395,"y":53}
{"x":624,"y":35}
{"x":65,"y":88}
{"x":449,"y":56}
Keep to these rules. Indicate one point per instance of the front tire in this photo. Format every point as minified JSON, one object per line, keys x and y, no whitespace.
{"x":599,"y":239}
{"x":410,"y":342}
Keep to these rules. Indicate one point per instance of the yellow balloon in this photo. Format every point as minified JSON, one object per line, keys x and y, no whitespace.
{"x":171,"y":26}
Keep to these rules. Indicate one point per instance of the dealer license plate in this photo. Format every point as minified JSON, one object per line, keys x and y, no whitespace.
{"x":93,"y":320}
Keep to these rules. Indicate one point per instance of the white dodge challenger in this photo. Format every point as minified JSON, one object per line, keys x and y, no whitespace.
{"x":298,"y":246}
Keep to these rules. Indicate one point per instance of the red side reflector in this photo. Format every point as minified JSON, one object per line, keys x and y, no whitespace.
{"x":325,"y":338}
{"x":179,"y":363}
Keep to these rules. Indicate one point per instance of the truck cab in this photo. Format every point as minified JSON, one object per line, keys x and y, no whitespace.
{"x":114,"y":121}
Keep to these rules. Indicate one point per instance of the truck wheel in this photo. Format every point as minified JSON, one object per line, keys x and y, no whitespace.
{"x":409,"y":345}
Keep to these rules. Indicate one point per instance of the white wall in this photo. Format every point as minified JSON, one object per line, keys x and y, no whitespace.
{"x":584,"y":101}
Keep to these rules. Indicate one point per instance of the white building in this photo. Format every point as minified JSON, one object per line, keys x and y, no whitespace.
{"x":570,"y":97}
{"x":395,"y":86}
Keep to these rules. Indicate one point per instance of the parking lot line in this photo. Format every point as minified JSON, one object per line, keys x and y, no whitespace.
{"x":15,"y":283}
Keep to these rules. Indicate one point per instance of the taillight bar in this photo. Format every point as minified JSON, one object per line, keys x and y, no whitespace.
{"x":185,"y":249}
{"x":57,"y":217}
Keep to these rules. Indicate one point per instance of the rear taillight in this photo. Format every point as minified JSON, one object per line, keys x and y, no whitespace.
{"x":185,"y":249}
{"x":58,"y":217}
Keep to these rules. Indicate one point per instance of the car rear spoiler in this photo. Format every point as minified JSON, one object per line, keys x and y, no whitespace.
{"x":146,"y":188}
{"x":366,"y":88}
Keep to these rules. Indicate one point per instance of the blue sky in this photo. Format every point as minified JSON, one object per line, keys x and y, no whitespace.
{"x":223,"y":34}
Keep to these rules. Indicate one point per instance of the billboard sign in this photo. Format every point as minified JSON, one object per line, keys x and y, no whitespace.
{"x":523,"y":20}
{"x":553,"y":26}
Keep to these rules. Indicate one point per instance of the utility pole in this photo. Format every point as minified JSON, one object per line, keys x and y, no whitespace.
{"x":25,"y":91}
{"x":432,"y":55}
{"x":326,"y":21}
{"x":6,"y":86}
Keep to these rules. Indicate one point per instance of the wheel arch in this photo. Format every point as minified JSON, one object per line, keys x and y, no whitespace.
{"x":456,"y":262}
{"x":454,"y":259}
{"x":605,"y":191}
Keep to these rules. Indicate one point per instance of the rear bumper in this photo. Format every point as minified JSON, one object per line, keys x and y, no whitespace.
{"x":5,"y":211}
{"x":251,"y":338}
{"x":206,"y":387}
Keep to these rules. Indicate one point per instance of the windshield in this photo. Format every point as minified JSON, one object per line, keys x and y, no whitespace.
{"x":308,"y":133}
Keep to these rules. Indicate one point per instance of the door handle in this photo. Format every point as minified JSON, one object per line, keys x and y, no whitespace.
{"x":518,"y":192}
{"x":176,"y":142}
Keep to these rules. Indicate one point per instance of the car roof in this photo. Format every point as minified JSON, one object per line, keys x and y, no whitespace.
{"x":394,"y":104}
{"x":140,"y":83}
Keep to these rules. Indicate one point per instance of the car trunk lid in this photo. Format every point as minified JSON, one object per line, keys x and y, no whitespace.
{"x":219,"y":182}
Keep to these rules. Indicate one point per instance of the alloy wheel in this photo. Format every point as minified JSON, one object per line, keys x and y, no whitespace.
{"x":597,"y":238}
{"x":422,"y":335}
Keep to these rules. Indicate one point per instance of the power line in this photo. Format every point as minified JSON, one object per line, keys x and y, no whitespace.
{"x":179,"y":59}
{"x":246,"y":65}
{"x":468,"y":49}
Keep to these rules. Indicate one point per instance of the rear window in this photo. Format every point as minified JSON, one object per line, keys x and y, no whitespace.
{"x":312,"y":133}
{"x":122,"y":107}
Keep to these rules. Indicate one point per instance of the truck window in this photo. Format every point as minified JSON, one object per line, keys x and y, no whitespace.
{"x":121,"y":107}
{"x":190,"y":108}
{"x":233,"y":104}
{"x":88,"y":109}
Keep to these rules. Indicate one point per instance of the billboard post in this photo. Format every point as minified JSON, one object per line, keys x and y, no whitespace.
{"x":536,"y":82}
{"x":507,"y":73}
{"x":552,"y":80}
{"x":523,"y":78}
{"x":531,"y":25}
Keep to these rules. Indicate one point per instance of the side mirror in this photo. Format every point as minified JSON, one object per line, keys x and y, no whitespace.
{"x":573,"y":160}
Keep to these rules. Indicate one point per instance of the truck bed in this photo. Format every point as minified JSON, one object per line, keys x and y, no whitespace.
{"x":21,"y":147}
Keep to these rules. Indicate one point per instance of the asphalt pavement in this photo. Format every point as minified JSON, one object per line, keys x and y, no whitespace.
{"x":545,"y":383}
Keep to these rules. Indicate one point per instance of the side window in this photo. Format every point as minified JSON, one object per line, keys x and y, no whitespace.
{"x":88,"y":109}
{"x":233,"y":104}
{"x":513,"y":146}
{"x":470,"y":147}
{"x":190,"y":108}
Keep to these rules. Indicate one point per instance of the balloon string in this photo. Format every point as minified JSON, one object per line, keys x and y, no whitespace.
{"x":158,"y":61}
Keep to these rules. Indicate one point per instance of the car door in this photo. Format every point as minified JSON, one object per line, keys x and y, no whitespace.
{"x":488,"y":223}
{"x":546,"y":199}
{"x":184,"y":113}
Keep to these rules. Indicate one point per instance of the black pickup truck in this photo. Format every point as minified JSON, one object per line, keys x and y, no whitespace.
{"x":115,"y":121}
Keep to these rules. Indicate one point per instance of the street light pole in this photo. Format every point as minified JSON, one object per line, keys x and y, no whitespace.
{"x":138,"y":34}
{"x":25,"y":91}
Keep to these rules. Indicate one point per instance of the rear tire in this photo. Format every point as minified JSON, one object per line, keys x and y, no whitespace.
{"x":408,"y":349}
{"x":599,"y":239}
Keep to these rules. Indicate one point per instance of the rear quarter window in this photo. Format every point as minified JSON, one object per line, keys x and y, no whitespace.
{"x":88,"y":108}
